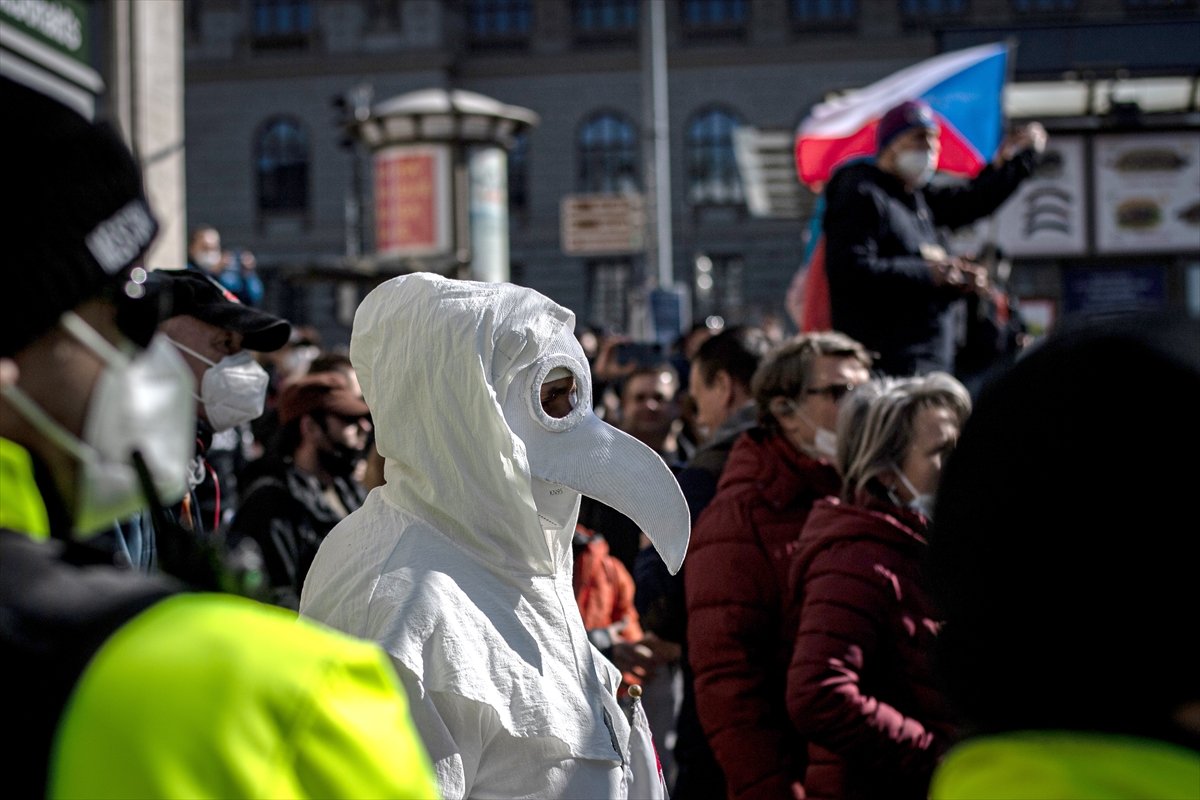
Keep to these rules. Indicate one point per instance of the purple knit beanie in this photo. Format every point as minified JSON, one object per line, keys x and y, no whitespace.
{"x":904,"y":117}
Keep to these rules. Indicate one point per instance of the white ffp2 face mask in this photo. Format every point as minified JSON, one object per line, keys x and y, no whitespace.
{"x":824,"y":440}
{"x":916,"y":166}
{"x":233,"y":390}
{"x":142,"y":405}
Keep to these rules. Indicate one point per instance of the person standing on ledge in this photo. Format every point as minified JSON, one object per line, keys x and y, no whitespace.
{"x":892,"y":280}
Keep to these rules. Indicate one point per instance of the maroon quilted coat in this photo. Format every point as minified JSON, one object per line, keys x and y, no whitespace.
{"x":860,"y":686}
{"x":739,"y":643}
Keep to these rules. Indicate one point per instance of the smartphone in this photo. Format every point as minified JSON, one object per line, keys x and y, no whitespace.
{"x":640,"y":353}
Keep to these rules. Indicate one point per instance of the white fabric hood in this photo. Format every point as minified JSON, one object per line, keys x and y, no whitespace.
{"x":448,"y":565}
{"x":452,"y":372}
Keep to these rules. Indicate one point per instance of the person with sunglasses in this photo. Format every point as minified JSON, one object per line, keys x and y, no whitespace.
{"x":861,"y":687}
{"x":306,"y":483}
{"x":741,"y":546}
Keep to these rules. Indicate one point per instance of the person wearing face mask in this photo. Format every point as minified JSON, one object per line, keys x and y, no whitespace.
{"x":131,"y":685}
{"x":460,"y":565}
{"x":861,"y":687}
{"x":892,"y":279}
{"x":217,"y":336}
{"x":204,"y":254}
{"x":736,"y":579}
{"x":307,"y":484}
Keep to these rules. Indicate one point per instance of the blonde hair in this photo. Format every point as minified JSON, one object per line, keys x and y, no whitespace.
{"x":879,"y":427}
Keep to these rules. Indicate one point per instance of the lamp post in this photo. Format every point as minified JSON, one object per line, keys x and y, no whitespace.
{"x":440,"y":174}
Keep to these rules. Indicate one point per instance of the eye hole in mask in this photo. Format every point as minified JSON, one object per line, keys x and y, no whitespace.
{"x":559,"y":393}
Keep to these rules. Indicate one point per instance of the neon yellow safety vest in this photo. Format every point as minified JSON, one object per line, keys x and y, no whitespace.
{"x":1067,"y":765}
{"x":21,"y":506}
{"x":211,"y":696}
{"x":222,"y":697}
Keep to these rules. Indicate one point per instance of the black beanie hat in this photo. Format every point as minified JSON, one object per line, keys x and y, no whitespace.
{"x":902,"y":118}
{"x":75,"y":216}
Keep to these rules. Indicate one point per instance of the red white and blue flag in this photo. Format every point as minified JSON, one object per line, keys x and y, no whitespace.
{"x":965,"y":90}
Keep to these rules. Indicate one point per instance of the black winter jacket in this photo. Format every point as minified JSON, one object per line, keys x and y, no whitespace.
{"x":880,"y":289}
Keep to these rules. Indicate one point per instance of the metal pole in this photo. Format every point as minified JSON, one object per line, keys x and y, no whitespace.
{"x":657,"y":150}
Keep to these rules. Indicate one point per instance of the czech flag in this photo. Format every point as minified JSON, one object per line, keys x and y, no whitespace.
{"x":965,"y":90}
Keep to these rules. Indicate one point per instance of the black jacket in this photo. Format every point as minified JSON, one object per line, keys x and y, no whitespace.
{"x":880,"y":289}
{"x":285,"y":514}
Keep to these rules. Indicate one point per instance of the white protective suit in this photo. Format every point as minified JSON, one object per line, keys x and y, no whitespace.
{"x":460,"y":565}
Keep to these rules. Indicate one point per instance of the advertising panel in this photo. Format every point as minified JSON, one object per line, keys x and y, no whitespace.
{"x":1147,"y":192}
{"x":1046,"y":216}
{"x":412,"y":201}
{"x":488,"y":169}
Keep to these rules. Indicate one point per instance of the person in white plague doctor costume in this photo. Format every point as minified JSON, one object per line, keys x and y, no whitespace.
{"x":460,"y":565}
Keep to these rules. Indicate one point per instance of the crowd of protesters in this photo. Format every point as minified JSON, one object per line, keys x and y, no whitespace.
{"x":491,"y":507}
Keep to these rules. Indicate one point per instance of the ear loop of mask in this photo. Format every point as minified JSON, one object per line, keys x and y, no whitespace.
{"x":47,"y":425}
{"x":89,"y":338}
{"x":794,"y":408}
{"x":907,"y":483}
{"x":193,"y":353}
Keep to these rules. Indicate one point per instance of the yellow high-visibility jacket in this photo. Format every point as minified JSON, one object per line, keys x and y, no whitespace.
{"x":1067,"y":765}
{"x":124,"y":686}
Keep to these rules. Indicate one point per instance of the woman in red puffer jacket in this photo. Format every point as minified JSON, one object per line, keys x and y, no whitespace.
{"x":860,"y":686}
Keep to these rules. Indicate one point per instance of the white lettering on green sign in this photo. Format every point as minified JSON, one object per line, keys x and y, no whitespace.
{"x":56,"y":21}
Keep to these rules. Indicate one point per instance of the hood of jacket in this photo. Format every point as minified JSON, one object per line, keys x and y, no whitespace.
{"x":832,"y":520}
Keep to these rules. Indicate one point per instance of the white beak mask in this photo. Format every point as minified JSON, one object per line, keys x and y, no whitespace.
{"x":581,"y":454}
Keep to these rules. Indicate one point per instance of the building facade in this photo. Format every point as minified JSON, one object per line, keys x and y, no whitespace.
{"x":268,"y":83}
{"x":118,"y":60}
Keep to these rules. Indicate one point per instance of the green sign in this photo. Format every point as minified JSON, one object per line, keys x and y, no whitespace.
{"x":61,"y":24}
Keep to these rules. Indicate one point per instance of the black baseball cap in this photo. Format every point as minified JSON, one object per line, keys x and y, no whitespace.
{"x":191,"y":293}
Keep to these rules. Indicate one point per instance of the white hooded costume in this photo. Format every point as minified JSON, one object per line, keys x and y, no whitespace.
{"x":460,"y":565}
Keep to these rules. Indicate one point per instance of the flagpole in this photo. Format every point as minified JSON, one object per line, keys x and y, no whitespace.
{"x":1010,"y":71}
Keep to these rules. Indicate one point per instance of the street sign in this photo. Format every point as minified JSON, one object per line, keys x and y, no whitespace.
{"x":602,"y":224}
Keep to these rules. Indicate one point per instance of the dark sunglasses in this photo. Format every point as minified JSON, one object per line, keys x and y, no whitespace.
{"x":836,"y":391}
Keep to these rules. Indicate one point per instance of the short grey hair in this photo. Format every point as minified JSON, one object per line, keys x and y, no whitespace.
{"x":786,"y":370}
{"x":878,"y":427}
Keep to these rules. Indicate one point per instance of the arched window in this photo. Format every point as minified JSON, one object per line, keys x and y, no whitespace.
{"x":712,"y":173}
{"x":712,"y":13}
{"x":608,"y":154}
{"x":281,"y":24}
{"x":281,"y":164}
{"x":1031,"y":7}
{"x":499,"y":21}
{"x":605,"y":17}
{"x":821,"y":14}
{"x":917,"y":13}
